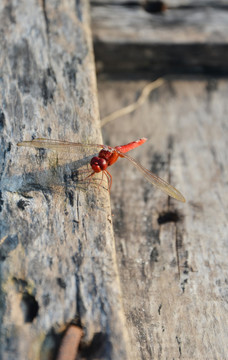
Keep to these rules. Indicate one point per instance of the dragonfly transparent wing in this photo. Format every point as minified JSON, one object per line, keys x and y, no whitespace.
{"x":155,"y":180}
{"x":58,"y":145}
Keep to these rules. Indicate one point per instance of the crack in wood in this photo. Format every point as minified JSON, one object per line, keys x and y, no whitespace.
{"x":46,"y":20}
{"x":177,"y":252}
{"x":78,"y":9}
{"x":175,"y":218}
{"x":78,"y":297}
{"x":77,"y":207}
{"x":178,"y":339}
{"x":1,"y":201}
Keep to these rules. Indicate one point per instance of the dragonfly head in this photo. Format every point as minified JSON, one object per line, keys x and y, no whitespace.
{"x":98,"y":164}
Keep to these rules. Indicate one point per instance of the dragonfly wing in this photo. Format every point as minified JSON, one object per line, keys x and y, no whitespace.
{"x":155,"y":180}
{"x":57,"y":145}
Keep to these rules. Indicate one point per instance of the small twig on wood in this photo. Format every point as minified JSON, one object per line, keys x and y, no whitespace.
{"x":128,"y":109}
{"x":69,"y":347}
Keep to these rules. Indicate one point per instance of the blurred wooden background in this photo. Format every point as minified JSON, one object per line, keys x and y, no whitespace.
{"x":172,"y":257}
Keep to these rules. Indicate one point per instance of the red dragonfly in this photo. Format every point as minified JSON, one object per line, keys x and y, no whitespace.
{"x":107,"y":157}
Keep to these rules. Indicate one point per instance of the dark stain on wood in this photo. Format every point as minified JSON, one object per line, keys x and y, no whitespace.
{"x":7,"y":245}
{"x":49,"y":130}
{"x":51,"y":345}
{"x":2,"y":119}
{"x":100,"y":242}
{"x":179,"y":240}
{"x":154,"y":255}
{"x":169,"y":216}
{"x":70,"y":195}
{"x":61,"y":283}
{"x":154,"y":7}
{"x":46,"y":299}
{"x":20,"y":284}
{"x":158,"y":163}
{"x":183,"y":284}
{"x":70,"y":70}
{"x":77,"y":258}
{"x":78,"y":10}
{"x":75,"y":226}
{"x":21,"y":204}
{"x":92,"y":285}
{"x":9,"y":13}
{"x":29,"y":304}
{"x":1,"y":201}
{"x":178,"y":339}
{"x":99,"y":348}
{"x":146,"y":193}
{"x":30,"y":307}
{"x":151,"y":234}
{"x":186,"y":268}
{"x":48,"y":86}
{"x":23,"y":66}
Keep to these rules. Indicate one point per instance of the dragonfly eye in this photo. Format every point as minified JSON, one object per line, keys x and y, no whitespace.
{"x":98,"y":164}
{"x":103,"y":164}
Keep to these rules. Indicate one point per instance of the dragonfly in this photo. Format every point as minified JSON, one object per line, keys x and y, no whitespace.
{"x":107,"y":156}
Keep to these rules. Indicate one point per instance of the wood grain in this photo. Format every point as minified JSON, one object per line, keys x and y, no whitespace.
{"x":172,"y":257}
{"x":57,"y":252}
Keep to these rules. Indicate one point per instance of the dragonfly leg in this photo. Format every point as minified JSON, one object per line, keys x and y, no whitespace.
{"x":109,"y":177}
{"x":82,"y":172}
{"x":90,"y":178}
{"x":102,"y":178}
{"x":107,"y":174}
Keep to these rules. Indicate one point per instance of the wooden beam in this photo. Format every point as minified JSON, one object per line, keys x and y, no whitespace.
{"x":57,"y":248}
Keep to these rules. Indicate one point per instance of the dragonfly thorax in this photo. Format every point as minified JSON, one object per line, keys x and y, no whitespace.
{"x":98,"y":164}
{"x":109,"y":156}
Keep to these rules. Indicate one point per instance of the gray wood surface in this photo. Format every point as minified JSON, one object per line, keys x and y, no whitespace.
{"x":57,"y":253}
{"x":183,"y":38}
{"x":172,"y":257}
{"x":169,"y":3}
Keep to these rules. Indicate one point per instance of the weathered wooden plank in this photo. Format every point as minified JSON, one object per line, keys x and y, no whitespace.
{"x":57,"y":253}
{"x":173,"y":257}
{"x":134,"y":25}
{"x":168,"y":3}
{"x":182,"y":39}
